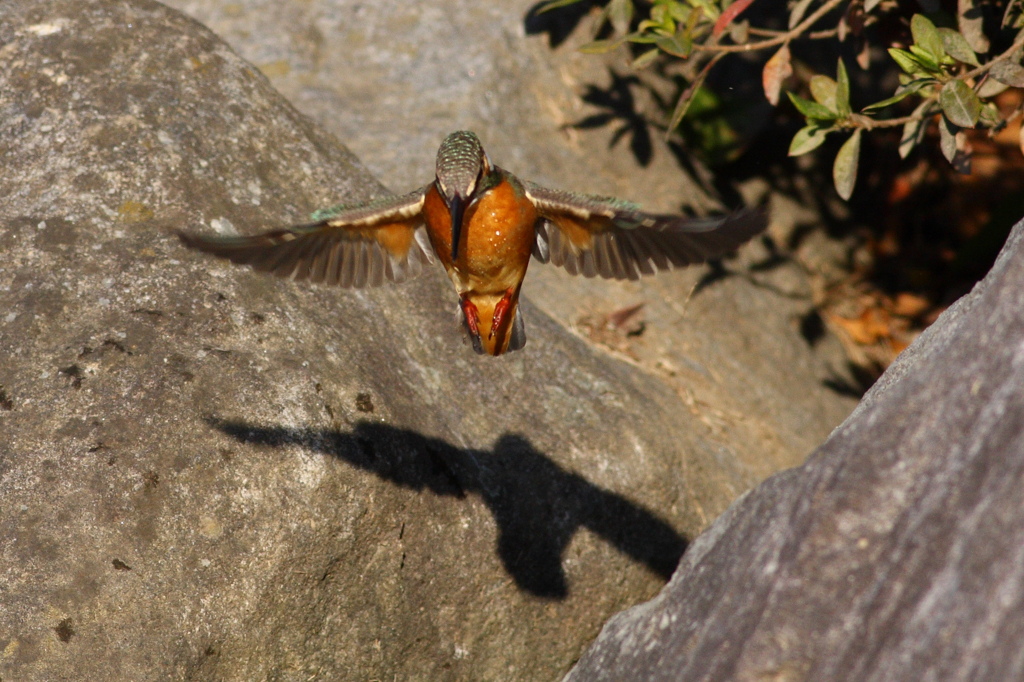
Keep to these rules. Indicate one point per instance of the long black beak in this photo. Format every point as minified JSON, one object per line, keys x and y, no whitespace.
{"x":457,"y":208}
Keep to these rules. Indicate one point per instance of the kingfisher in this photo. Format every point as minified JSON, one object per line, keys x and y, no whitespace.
{"x":483,"y":224}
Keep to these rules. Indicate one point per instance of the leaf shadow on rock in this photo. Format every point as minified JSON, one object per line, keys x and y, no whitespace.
{"x":618,"y":106}
{"x":537,"y":505}
{"x":558,"y":23}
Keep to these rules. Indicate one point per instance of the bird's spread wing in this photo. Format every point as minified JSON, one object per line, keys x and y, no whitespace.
{"x":591,"y":235}
{"x":350,"y":246}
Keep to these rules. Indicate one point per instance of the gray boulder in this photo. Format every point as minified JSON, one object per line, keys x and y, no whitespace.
{"x":391,"y":78}
{"x":895,"y":553}
{"x":210,"y":474}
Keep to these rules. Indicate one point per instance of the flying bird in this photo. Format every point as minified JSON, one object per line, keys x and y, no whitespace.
{"x":483,"y":224}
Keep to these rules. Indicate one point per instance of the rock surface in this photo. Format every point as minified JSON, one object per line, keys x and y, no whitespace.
{"x":210,"y":474}
{"x":732,"y":352}
{"x":895,"y":553}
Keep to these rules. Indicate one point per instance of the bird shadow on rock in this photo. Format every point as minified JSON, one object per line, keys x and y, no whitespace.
{"x":537,"y":505}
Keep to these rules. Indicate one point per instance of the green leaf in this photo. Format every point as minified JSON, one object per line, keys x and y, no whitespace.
{"x":957,"y":47}
{"x":926,"y":37}
{"x":709,"y":7}
{"x":947,"y":139}
{"x":844,"y":171}
{"x":1009,"y":73}
{"x":901,"y":92}
{"x":674,"y":46}
{"x":620,"y":13}
{"x":914,"y":130}
{"x":971,"y":22}
{"x":645,"y":59}
{"x":927,"y":59}
{"x":807,"y":139}
{"x":693,"y":19}
{"x":685,"y":99}
{"x":823,"y":90}
{"x":917,"y":84}
{"x":960,"y":104}
{"x":955,"y":146}
{"x":739,"y":31}
{"x":798,"y":12}
{"x":991,"y":87}
{"x":898,"y":97}
{"x":678,"y":11}
{"x":602,"y":46}
{"x":642,"y":38}
{"x":555,"y":4}
{"x":812,"y":110}
{"x":660,"y":15}
{"x":842,"y":90}
{"x":990,"y":117}
{"x":1012,"y":17}
{"x":908,"y":62}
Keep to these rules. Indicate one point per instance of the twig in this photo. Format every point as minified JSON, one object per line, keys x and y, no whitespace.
{"x":867,"y":123}
{"x":813,"y":35}
{"x":995,"y":60}
{"x":778,"y":40}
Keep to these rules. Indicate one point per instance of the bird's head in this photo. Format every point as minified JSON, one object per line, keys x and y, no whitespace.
{"x":462,"y":168}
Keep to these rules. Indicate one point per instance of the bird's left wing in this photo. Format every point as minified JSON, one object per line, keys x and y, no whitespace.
{"x":350,"y":246}
{"x":592,"y":235}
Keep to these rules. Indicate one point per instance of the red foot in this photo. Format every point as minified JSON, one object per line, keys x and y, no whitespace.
{"x":471,"y":315}
{"x":501,"y":311}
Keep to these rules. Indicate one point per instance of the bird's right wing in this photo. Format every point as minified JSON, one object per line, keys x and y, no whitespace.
{"x":349,"y":246}
{"x":592,"y":235}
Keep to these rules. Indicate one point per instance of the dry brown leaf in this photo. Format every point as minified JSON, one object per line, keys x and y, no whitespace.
{"x":776,"y":71}
{"x":907,"y":304}
{"x":868,"y":328}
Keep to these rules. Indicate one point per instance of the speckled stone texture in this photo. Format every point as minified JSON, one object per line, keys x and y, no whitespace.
{"x":392,"y":78}
{"x":210,"y":474}
{"x":895,"y":553}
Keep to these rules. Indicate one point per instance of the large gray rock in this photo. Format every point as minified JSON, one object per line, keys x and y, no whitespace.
{"x":391,"y":78}
{"x":210,"y":474}
{"x":895,"y":553}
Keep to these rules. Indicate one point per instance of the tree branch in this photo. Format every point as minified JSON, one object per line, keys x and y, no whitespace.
{"x":795,"y":32}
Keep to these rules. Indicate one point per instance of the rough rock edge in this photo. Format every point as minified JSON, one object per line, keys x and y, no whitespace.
{"x":633,"y":644}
